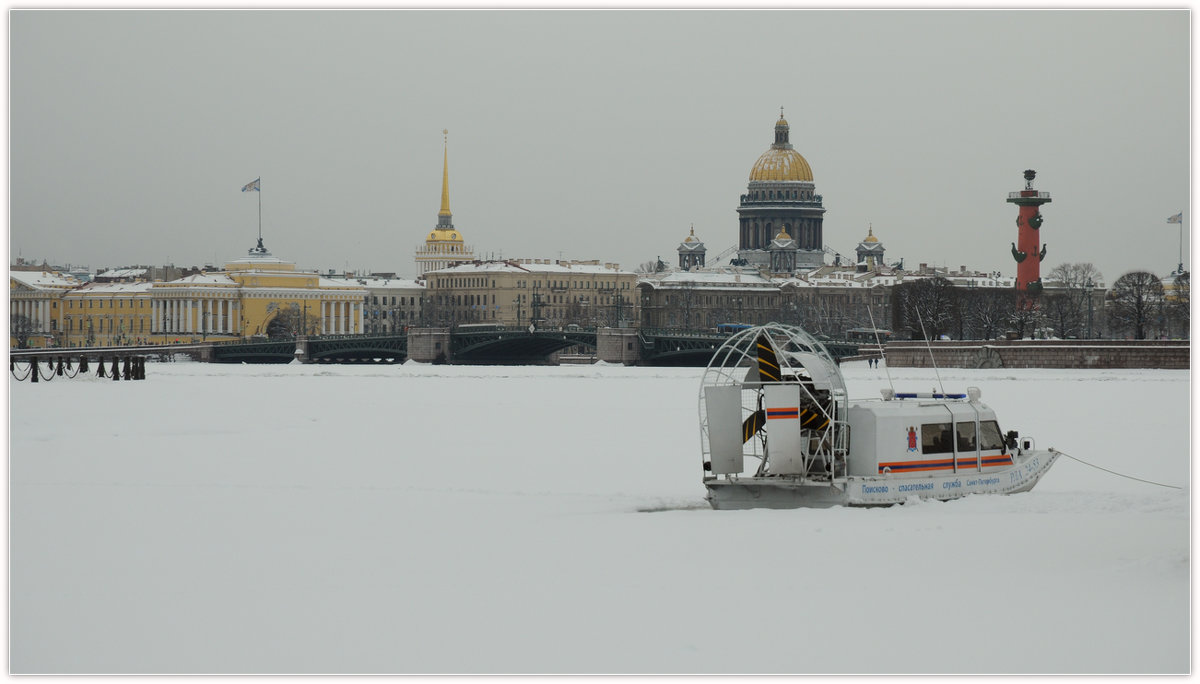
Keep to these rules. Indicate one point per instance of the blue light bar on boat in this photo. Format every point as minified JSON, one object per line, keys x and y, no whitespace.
{"x":928,"y":395}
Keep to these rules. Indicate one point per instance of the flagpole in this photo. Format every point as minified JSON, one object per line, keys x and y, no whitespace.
{"x":260,"y":210}
{"x":1181,"y":242}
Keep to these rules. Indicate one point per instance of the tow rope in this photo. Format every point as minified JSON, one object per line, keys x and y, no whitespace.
{"x":1080,"y":460}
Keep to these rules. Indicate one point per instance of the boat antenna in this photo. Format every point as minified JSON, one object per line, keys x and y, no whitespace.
{"x":930,"y":347}
{"x":880,"y":345}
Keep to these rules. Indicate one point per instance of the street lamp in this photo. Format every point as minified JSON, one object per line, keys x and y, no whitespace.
{"x":1090,"y":286}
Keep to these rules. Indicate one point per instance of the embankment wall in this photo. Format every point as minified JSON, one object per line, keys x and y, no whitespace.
{"x":1171,"y":354}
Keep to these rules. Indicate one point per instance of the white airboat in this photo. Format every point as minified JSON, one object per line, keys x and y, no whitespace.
{"x":774,"y":398}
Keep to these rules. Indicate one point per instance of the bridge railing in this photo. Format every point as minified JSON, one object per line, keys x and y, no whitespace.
{"x":107,"y":351}
{"x":680,"y":332}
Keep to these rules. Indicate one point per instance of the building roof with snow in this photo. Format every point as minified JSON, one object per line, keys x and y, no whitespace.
{"x":43,"y":280}
{"x":545,"y":266}
{"x":731,"y":279}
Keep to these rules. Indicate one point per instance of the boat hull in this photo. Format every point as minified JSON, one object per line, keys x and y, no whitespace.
{"x":884,"y":490}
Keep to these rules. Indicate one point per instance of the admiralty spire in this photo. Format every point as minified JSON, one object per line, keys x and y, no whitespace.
{"x":444,"y":245}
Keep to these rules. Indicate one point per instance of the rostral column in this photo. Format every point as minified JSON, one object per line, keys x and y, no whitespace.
{"x":1026,"y":249}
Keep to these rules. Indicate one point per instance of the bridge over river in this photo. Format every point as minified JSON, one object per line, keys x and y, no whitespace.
{"x":467,"y":344}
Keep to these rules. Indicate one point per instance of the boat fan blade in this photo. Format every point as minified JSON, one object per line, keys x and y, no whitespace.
{"x":753,"y":424}
{"x":768,"y":363}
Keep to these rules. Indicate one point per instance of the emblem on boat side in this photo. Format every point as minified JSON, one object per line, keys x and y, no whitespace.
{"x":912,"y":438}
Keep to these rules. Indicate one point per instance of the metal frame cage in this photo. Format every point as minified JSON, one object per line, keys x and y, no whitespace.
{"x":776,"y":354}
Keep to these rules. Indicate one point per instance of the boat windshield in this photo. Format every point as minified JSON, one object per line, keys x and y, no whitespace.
{"x":989,"y":435}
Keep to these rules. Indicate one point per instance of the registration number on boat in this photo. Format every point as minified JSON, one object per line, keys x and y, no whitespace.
{"x":1019,"y":474}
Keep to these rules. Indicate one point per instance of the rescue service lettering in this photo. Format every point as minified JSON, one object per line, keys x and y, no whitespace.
{"x":952,"y":484}
{"x":867,"y":489}
{"x":921,"y":487}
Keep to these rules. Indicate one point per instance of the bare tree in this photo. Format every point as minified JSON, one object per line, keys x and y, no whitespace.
{"x":985,"y":312}
{"x":927,"y":303}
{"x":655,"y":266}
{"x":1025,"y":322}
{"x":22,"y":327}
{"x":292,"y":320}
{"x":1062,"y":314}
{"x":1135,"y":304}
{"x":1067,"y":298}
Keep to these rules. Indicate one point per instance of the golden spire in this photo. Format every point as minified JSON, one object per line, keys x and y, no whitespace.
{"x":445,"y":211}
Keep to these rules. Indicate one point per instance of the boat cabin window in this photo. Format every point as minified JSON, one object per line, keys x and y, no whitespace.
{"x":989,"y":435}
{"x":966,"y":437}
{"x":935,"y":438}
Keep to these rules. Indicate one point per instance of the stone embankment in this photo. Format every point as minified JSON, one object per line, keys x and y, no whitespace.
{"x":1171,"y":354}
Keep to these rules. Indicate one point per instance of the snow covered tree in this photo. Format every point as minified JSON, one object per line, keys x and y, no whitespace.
{"x":927,"y":303}
{"x":984,"y":312}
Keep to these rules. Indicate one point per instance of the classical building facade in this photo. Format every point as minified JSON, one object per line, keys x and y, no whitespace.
{"x":781,"y":198}
{"x":444,"y":246}
{"x":253,"y":296}
{"x":391,"y":304}
{"x":35,"y":300}
{"x":704,"y":299}
{"x":538,"y":291}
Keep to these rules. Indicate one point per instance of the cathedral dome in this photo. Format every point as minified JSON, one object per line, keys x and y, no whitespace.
{"x":781,"y":162}
{"x":781,"y":165}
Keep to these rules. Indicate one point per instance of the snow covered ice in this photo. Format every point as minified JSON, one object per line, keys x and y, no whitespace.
{"x":454,"y":519}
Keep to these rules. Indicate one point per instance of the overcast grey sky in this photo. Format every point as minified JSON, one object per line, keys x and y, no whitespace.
{"x":597,"y":134}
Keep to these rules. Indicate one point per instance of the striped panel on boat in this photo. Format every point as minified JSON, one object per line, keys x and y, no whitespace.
{"x":944,"y":464}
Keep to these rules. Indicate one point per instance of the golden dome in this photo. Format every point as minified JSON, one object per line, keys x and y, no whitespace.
{"x":781,"y":162}
{"x":692,"y":237}
{"x":778,"y":164}
{"x":870,"y":236}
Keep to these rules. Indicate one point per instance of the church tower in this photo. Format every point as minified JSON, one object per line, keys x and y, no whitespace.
{"x":869,"y":252}
{"x":781,"y":199}
{"x":444,"y":247}
{"x":691,"y":252}
{"x":783,"y":252}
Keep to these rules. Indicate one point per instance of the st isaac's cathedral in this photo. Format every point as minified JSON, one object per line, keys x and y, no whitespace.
{"x":781,"y":211}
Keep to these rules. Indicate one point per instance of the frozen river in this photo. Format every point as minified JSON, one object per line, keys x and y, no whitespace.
{"x":450,"y":519}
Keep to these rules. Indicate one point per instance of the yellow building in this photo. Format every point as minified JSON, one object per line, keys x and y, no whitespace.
{"x":520,"y":292}
{"x":106,"y":315}
{"x":35,"y":306}
{"x":257,"y":295}
{"x":444,"y":246}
